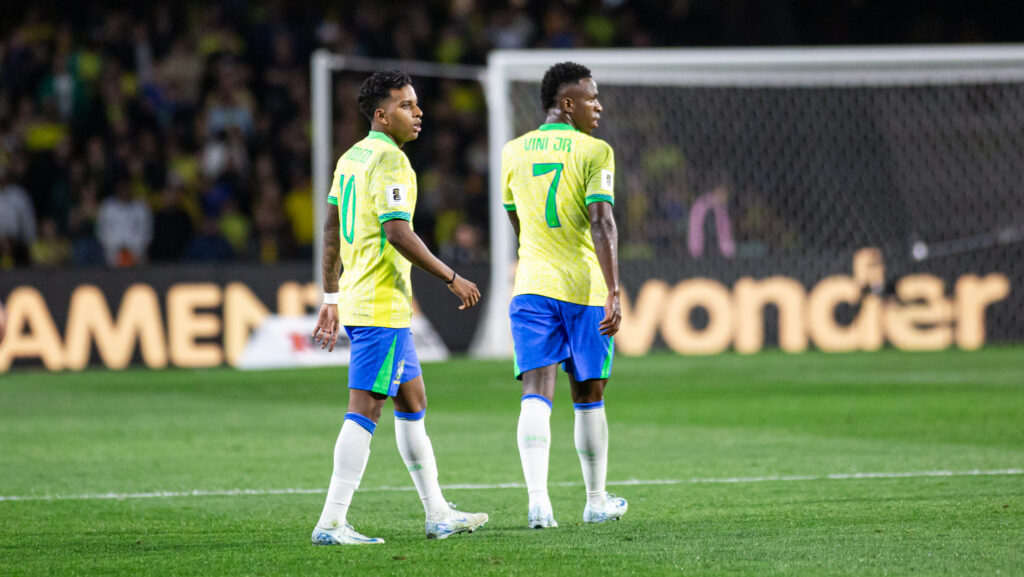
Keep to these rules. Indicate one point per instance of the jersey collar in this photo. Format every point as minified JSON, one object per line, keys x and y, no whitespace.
{"x":381,"y":136}
{"x":557,"y":126}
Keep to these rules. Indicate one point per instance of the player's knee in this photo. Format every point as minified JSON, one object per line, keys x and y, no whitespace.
{"x":372,"y":413}
{"x":366,"y":405}
{"x":590,"y":391}
{"x":591,"y":397}
{"x":376,"y":411}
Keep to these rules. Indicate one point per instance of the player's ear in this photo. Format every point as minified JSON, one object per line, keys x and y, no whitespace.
{"x":567,"y":104}
{"x":380,"y":116}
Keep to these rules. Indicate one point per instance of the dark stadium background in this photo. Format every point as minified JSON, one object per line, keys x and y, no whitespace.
{"x":197,"y":117}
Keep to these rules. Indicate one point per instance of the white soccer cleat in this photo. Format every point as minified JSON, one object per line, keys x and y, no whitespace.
{"x":455,"y":522}
{"x":344,"y":535}
{"x":612,"y":510}
{"x":541,"y":518}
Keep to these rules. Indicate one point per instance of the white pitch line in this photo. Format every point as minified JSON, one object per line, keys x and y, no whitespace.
{"x":693,"y":481}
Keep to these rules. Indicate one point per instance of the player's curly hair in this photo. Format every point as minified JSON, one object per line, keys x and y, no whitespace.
{"x":558,"y":76}
{"x":378,"y":87}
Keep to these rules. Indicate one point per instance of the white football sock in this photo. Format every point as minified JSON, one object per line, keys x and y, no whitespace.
{"x":534,"y":436}
{"x":351,"y":453}
{"x":418,"y":454}
{"x":591,"y":434}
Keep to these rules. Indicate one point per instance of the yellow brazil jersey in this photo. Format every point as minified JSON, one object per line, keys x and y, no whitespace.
{"x":373,"y":183}
{"x":549,"y":176}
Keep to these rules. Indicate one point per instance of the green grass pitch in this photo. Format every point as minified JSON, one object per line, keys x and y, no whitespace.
{"x":744,"y":446}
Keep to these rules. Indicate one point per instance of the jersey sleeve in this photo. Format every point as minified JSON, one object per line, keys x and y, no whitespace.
{"x":507,"y":171}
{"x":391,"y":183}
{"x":601,"y":173}
{"x":335,"y":192}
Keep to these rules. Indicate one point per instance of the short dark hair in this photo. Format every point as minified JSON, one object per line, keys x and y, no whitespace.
{"x":558,"y":76}
{"x":378,"y":87}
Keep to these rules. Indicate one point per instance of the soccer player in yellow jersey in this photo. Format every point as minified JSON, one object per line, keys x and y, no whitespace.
{"x":558,"y":189}
{"x":369,"y":230}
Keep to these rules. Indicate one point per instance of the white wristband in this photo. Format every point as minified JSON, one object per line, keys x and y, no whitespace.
{"x":330,"y":298}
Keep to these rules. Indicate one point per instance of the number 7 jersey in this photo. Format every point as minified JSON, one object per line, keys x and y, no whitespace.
{"x":373,"y":183}
{"x":549,"y":176}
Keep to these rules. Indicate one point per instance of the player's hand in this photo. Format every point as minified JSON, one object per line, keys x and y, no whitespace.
{"x":612,"y":316}
{"x":326,"y":331}
{"x":466,"y":291}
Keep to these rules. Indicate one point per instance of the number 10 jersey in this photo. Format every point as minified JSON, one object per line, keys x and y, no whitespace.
{"x":373,"y":183}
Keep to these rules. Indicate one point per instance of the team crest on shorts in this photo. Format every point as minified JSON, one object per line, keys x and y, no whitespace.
{"x":399,"y":371}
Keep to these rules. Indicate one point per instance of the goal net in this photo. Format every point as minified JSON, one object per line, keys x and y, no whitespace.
{"x":834,"y":198}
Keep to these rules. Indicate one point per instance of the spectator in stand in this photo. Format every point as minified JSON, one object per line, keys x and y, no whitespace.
{"x":225,"y":154}
{"x":85,"y":247}
{"x":511,"y":28}
{"x":50,"y":249}
{"x":269,"y":223}
{"x":298,"y":206}
{"x":17,"y":220}
{"x":235,"y":227}
{"x":278,"y":77}
{"x":210,"y":246}
{"x":172,"y":226}
{"x":65,"y":173}
{"x":179,"y":75}
{"x":231,"y":105}
{"x":124,"y":227}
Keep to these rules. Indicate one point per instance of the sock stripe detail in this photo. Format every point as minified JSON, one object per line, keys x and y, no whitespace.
{"x":588,"y":406}
{"x":541,"y":398}
{"x":362,"y":421}
{"x":410,"y":416}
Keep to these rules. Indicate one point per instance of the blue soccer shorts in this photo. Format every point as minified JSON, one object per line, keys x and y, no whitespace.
{"x":382,"y":359}
{"x":546,"y":331}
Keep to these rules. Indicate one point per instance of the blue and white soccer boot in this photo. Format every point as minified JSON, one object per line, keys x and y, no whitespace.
{"x":455,"y":522}
{"x":612,"y":510}
{"x":345,"y":535}
{"x":541,"y":517}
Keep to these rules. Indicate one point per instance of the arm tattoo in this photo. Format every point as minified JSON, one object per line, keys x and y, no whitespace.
{"x":331,"y":262}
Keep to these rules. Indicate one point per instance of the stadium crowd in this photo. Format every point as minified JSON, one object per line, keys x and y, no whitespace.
{"x":181,"y":131}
